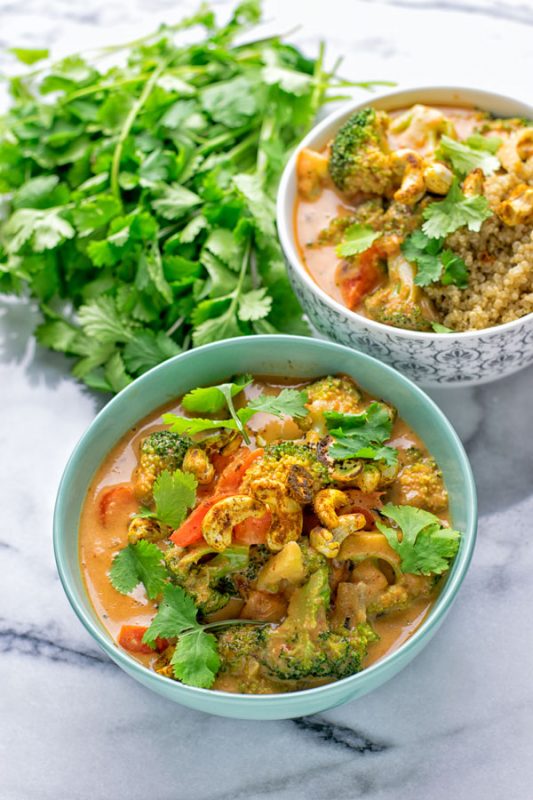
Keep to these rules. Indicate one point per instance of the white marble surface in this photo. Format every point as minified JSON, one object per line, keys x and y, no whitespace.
{"x":457,"y":723}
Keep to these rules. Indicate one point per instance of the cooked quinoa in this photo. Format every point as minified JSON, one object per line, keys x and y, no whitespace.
{"x":500,"y":263}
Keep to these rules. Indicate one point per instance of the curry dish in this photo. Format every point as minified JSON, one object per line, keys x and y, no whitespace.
{"x":422,"y":218}
{"x":261,"y":536}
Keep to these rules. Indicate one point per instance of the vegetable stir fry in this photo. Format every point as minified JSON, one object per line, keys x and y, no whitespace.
{"x":266,"y":534}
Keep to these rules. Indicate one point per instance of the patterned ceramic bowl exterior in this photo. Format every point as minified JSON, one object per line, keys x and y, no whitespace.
{"x":431,"y":359}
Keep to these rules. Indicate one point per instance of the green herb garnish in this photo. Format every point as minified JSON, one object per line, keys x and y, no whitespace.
{"x":140,"y":198}
{"x":289,"y":403}
{"x":426,"y":547}
{"x":357,"y":238}
{"x":362,"y":435}
{"x":174,"y":494}
{"x":195,"y":660}
{"x":455,"y":211}
{"x":139,"y":563}
{"x":433,"y":262}
{"x":465,"y":158}
{"x":438,"y":328}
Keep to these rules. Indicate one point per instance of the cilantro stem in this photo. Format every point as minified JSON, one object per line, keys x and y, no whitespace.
{"x":127,"y":126}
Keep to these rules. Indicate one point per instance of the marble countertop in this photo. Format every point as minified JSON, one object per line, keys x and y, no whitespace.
{"x":458,"y":722}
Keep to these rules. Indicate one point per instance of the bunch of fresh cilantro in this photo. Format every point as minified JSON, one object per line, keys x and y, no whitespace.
{"x":140,"y":199}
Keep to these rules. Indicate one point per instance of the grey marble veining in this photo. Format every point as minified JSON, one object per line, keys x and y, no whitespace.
{"x":458,"y":722}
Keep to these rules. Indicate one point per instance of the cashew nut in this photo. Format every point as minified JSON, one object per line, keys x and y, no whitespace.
{"x":197,"y":462}
{"x":287,"y":521}
{"x":413,"y":184}
{"x":218,"y":523}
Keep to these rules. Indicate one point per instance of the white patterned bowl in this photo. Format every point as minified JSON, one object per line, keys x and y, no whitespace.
{"x":431,"y":359}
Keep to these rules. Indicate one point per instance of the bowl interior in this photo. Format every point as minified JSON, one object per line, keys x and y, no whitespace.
{"x":317,"y":138}
{"x":282,"y":355}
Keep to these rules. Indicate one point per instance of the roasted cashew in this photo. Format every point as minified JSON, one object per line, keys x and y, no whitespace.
{"x":146,"y":528}
{"x":413,"y":184}
{"x":218,"y":523}
{"x":287,"y":521}
{"x":323,"y":542}
{"x":326,"y":503}
{"x":438,"y":177}
{"x":517,"y":151}
{"x":473,"y":183}
{"x":518,"y":207}
{"x":197,"y":462}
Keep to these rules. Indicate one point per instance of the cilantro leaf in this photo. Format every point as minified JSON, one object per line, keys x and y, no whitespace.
{"x":193,"y":425}
{"x":357,"y":238}
{"x":143,"y":203}
{"x":176,"y":613}
{"x":288,"y":403}
{"x":254,"y":305}
{"x":147,"y":349}
{"x":425,"y":253}
{"x":174,"y":201}
{"x":361,"y":435}
{"x":42,"y":229}
{"x":174,"y":493}
{"x":433,"y":263}
{"x":210,"y":399}
{"x":101,"y":320}
{"x":29,"y":56}
{"x":438,"y":328}
{"x":426,"y":546}
{"x":454,"y":270}
{"x":479,"y":142}
{"x":195,"y":660}
{"x":465,"y":158}
{"x":139,"y":563}
{"x":455,"y":211}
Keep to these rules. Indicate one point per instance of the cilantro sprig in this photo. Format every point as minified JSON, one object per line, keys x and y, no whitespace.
{"x":211,"y":399}
{"x":426,"y":546}
{"x":139,"y":563}
{"x":454,"y":212}
{"x":362,"y":435}
{"x":357,"y":238}
{"x":140,"y":199}
{"x":174,"y":494}
{"x":464,"y":157}
{"x":195,"y":660}
{"x":433,"y":261}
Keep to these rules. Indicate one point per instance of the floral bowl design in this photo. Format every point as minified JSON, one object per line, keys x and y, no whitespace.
{"x":430,"y":359}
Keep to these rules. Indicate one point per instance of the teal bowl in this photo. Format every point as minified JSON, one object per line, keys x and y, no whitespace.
{"x":263,"y":355}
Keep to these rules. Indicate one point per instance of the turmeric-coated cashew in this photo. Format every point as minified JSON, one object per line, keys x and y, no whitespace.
{"x":517,"y":208}
{"x":218,"y":523}
{"x":287,"y":520}
{"x":326,"y":504}
{"x":413,"y":184}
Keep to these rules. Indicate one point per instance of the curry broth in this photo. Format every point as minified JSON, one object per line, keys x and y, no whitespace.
{"x":310,"y":217}
{"x":99,"y":541}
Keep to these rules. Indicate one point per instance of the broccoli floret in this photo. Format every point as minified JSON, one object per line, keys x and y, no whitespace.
{"x":420,"y":484}
{"x":360,"y":159}
{"x":330,"y":394}
{"x":312,"y":559}
{"x":238,"y":643}
{"x":401,"y":303}
{"x":210,"y":583}
{"x":304,"y":648}
{"x":160,"y":450}
{"x":293,"y":464}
